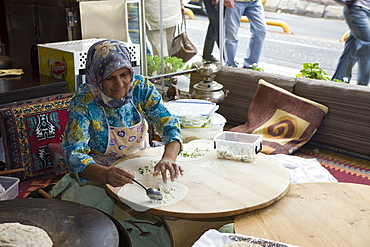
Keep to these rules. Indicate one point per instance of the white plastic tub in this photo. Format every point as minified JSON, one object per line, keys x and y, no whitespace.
{"x":193,"y":113}
{"x":10,"y":185}
{"x":238,"y":146}
{"x":217,"y":126}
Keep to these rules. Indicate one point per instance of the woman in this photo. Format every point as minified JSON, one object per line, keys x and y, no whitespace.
{"x":107,"y":121}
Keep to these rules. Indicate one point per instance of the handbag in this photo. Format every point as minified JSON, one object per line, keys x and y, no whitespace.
{"x":346,"y":3}
{"x":182,"y":47}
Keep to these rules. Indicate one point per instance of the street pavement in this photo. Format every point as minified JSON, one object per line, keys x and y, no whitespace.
{"x":312,"y":39}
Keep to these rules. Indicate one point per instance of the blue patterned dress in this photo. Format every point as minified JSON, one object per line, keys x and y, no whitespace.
{"x":87,"y":129}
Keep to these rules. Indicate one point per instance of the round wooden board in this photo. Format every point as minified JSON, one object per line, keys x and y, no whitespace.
{"x":219,"y":187}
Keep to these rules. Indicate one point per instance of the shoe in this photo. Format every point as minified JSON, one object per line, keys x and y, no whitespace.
{"x":210,"y":59}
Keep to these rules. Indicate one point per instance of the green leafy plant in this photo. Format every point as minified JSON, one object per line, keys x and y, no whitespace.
{"x":254,"y":67}
{"x":171,"y":64}
{"x":313,"y":71}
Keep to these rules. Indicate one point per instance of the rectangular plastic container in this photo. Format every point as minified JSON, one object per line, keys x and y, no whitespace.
{"x":11,"y":188}
{"x":193,"y":113}
{"x":216,"y":127}
{"x":238,"y":146}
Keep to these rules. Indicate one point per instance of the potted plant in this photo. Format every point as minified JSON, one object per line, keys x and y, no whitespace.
{"x":171,"y":65}
{"x":313,"y":71}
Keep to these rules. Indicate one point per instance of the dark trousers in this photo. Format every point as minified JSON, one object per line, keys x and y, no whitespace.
{"x":213,"y":33}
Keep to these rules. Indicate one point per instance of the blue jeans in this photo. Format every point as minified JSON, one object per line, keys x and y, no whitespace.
{"x":356,"y":48}
{"x":256,"y":16}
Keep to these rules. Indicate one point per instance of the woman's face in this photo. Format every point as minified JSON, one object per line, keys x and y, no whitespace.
{"x":117,"y":84}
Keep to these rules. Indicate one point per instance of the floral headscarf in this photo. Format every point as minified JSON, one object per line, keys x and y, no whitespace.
{"x":103,"y":58}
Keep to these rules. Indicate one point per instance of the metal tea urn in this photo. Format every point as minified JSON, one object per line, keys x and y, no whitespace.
{"x":209,"y":89}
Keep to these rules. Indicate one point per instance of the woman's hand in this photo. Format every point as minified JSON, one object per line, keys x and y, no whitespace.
{"x":170,"y":165}
{"x":117,"y":176}
{"x":168,"y":162}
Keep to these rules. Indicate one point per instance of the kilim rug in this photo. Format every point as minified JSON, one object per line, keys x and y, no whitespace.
{"x":29,"y":185}
{"x":343,"y":167}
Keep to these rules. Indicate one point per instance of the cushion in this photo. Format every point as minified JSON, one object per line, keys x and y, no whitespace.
{"x":28,"y":127}
{"x":284,"y":120}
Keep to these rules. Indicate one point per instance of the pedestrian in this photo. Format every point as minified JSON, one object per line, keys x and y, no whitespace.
{"x":213,"y":34}
{"x":357,"y":46}
{"x":255,"y":13}
{"x":171,"y":17}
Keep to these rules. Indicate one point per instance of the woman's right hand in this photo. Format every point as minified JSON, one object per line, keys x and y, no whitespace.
{"x":117,"y":176}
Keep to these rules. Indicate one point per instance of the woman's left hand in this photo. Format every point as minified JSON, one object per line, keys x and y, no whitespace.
{"x":170,"y":165}
{"x":168,"y":162}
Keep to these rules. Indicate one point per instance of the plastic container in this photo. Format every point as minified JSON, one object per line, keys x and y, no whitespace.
{"x":193,"y":113}
{"x":11,"y":188}
{"x":216,"y":127}
{"x":238,"y":146}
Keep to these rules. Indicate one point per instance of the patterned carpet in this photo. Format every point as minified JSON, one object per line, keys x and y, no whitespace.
{"x":29,"y":185}
{"x":344,"y":168}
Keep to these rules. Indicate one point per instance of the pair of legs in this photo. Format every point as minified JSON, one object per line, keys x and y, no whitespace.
{"x":213,"y":34}
{"x":256,"y":16}
{"x":154,"y":38}
{"x":356,"y":48}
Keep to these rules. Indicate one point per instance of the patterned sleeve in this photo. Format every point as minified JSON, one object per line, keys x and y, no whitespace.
{"x":76,"y":136}
{"x":149,"y":101}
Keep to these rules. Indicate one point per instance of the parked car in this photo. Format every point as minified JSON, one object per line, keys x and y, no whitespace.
{"x":197,"y":6}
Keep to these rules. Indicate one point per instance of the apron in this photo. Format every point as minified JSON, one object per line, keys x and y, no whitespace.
{"x":122,"y":142}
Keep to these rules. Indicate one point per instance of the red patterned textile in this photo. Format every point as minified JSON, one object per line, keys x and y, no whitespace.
{"x":27,"y":129}
{"x":343,"y":167}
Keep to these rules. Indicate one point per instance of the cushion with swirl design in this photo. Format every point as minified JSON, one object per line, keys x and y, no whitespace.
{"x":284,"y":120}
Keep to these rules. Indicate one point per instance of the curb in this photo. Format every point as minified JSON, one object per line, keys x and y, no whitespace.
{"x":310,"y":8}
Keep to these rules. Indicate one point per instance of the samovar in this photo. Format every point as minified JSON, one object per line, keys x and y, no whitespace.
{"x":209,"y":89}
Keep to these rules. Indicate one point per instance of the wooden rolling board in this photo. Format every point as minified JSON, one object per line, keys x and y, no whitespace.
{"x":218,"y":187}
{"x":314,"y":214}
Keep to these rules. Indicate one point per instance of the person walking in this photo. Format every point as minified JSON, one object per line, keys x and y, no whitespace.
{"x":253,"y":9}
{"x":213,"y":34}
{"x":357,"y":46}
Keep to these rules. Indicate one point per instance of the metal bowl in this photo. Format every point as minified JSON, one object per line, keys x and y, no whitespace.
{"x":67,"y":223}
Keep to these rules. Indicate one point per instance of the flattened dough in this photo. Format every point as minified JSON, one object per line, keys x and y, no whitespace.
{"x":135,"y":196}
{"x":20,"y":235}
